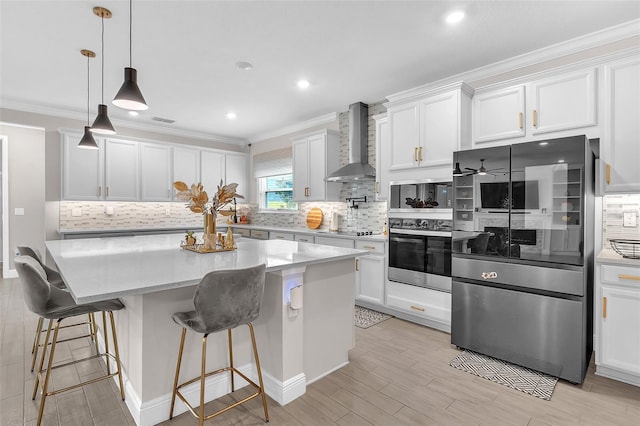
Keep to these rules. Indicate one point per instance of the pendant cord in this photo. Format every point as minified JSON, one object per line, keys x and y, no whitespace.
{"x":130,"y":33}
{"x":88,"y":91}
{"x":102,"y":19}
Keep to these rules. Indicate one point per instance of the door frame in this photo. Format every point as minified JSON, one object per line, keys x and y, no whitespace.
{"x":6,"y":272}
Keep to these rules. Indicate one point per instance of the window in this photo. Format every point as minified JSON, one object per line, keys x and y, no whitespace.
{"x":276,"y":192}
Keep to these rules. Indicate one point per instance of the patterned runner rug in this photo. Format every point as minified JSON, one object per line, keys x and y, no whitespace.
{"x":514,"y":376}
{"x":365,"y":318}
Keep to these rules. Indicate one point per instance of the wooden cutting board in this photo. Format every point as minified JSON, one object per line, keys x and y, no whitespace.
{"x":314,"y":218}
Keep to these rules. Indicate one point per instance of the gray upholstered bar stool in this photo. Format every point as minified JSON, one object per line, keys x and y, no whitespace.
{"x":55,"y":280}
{"x":51,"y":303}
{"x":223,"y":300}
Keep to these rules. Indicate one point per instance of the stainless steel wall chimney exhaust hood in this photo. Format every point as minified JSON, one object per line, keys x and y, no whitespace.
{"x":358,"y":168}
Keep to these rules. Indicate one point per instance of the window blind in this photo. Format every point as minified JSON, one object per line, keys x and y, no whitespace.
{"x":278,"y":162}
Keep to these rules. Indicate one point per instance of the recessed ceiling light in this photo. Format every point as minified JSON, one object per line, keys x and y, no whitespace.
{"x":455,"y":17}
{"x":245,"y":66}
{"x":134,"y":113}
{"x":561,"y":161}
{"x":543,"y":143}
{"x":231,"y":115}
{"x":303,"y":84}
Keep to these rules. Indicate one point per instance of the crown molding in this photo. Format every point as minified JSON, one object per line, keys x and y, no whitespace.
{"x":535,"y":57}
{"x":318,"y":121}
{"x":75,"y":115}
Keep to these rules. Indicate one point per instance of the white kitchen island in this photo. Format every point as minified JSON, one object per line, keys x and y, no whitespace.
{"x":155,"y":278}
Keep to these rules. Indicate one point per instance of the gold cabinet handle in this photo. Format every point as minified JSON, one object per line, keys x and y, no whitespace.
{"x":107,"y":191}
{"x":534,"y":116}
{"x":357,"y":264}
{"x":604,"y":307}
{"x":377,"y":187}
{"x":99,"y":191}
{"x":415,"y":154}
{"x":628,"y":277}
{"x":420,"y":154}
{"x":369,"y":247}
{"x":279,"y":237}
{"x":417,"y":308}
{"x":308,"y":191}
{"x":520,"y":120}
{"x":607,"y":173}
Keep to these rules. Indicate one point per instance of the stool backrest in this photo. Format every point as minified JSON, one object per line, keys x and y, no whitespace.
{"x":35,"y":287}
{"x":226,"y":299}
{"x":25,"y":250}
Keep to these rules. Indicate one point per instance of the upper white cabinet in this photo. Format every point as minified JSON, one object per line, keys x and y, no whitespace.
{"x":219,"y":166}
{"x":622,"y":125}
{"x":236,"y":171}
{"x":126,"y":170}
{"x":155,"y":172}
{"x":186,"y":166}
{"x":498,"y":114}
{"x":121,"y":170}
{"x":315,"y":156}
{"x":212,"y":170}
{"x":82,"y":172}
{"x":541,"y":107}
{"x":382,"y":157}
{"x":426,"y":130}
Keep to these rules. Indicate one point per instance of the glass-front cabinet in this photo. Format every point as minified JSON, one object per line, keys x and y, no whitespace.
{"x":524,"y":201}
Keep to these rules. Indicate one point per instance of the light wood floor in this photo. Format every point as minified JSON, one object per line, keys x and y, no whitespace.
{"x":398,"y":375}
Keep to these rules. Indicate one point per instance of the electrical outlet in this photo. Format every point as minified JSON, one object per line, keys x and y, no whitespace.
{"x":19,"y":211}
{"x":108,"y":210}
{"x":167,"y":212}
{"x":629,"y":220}
{"x":76,"y":211}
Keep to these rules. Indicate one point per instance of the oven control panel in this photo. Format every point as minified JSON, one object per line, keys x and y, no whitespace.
{"x":420,"y":224}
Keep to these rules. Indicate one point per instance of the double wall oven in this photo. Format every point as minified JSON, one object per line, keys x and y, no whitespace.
{"x":420,"y":234}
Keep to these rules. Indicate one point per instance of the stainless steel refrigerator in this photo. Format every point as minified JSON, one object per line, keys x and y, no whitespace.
{"x":522,"y":254}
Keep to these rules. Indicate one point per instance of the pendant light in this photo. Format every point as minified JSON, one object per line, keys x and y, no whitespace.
{"x":129,"y":96}
{"x":457,"y":172}
{"x":87,"y":141}
{"x":102,"y":125}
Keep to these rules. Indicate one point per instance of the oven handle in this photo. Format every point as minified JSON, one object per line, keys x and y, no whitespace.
{"x":406,"y":240}
{"x":420,"y":232}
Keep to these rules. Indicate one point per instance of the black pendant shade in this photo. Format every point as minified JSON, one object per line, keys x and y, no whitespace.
{"x":102,"y":125}
{"x":87,"y":141}
{"x":129,"y":95}
{"x":457,"y":171}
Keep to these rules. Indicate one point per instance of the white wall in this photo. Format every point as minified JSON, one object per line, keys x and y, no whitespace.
{"x":26,"y":174}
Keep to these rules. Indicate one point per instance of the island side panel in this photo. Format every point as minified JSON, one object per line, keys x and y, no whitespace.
{"x":329,"y":298}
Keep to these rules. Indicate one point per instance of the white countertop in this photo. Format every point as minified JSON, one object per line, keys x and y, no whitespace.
{"x":610,"y":256}
{"x":103,"y":268}
{"x":306,"y":231}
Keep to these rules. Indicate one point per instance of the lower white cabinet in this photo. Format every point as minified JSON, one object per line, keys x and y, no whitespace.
{"x":617,"y":321}
{"x":335,"y":242}
{"x":259,"y":235}
{"x":280,"y":236}
{"x":246,"y":233}
{"x":428,"y":307}
{"x":370,"y":275}
{"x":302,"y":238}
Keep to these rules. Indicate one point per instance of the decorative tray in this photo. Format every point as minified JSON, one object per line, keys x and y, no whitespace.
{"x":629,"y":249}
{"x":200,"y":248}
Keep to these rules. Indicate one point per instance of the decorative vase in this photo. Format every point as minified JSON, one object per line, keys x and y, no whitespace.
{"x":209,"y":236}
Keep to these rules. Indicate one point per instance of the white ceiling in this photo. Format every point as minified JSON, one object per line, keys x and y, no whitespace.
{"x":185,"y":53}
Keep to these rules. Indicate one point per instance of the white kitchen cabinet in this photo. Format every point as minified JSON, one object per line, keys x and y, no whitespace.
{"x":422,"y":305}
{"x":622,"y":126}
{"x":82,"y":169}
{"x":370,"y":276}
{"x":280,"y":236}
{"x":212,"y":170}
{"x":155,"y":172}
{"x":259,"y":234}
{"x":303,"y":238}
{"x":499,"y":114}
{"x":426,"y":132}
{"x":121,"y":170}
{"x":186,"y":166}
{"x":236,"y":172}
{"x":315,"y":156}
{"x":382,"y":157}
{"x":535,"y":110}
{"x":617,"y":318}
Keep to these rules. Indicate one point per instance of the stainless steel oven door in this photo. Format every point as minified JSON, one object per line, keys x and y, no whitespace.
{"x":421,"y":260}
